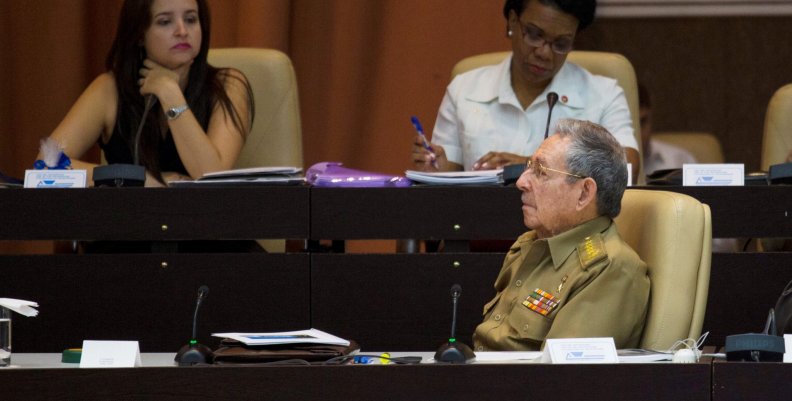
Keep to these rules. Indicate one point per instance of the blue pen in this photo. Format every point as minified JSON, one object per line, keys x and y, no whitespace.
{"x":427,"y":146}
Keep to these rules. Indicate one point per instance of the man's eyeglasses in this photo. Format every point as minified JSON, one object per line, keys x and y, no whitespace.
{"x":540,"y":170}
{"x":535,"y":37}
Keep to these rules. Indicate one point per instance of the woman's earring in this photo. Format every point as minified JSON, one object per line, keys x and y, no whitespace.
{"x":509,"y":32}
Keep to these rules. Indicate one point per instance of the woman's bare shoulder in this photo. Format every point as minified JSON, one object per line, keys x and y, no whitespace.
{"x":102,"y":91}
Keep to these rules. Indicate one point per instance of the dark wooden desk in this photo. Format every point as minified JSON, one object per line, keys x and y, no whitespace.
{"x":359,"y":296}
{"x":480,"y":382}
{"x":155,"y":214}
{"x":460,"y":214}
{"x":150,"y":297}
{"x":424,"y":212}
{"x":472,"y":213}
{"x":751,"y":211}
{"x":737,"y":381}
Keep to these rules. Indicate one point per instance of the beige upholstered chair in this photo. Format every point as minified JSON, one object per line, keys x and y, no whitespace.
{"x":672,"y":233}
{"x":705,"y":147}
{"x":777,"y":141}
{"x":276,"y":136}
{"x":611,"y":65}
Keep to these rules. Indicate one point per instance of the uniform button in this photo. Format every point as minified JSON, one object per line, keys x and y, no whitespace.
{"x":498,"y":317}
{"x":518,"y":283}
{"x":525,"y":327}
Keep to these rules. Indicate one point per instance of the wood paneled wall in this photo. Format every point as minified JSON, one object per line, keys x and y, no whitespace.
{"x":707,"y":74}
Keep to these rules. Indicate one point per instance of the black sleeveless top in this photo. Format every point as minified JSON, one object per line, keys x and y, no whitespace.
{"x":117,"y":150}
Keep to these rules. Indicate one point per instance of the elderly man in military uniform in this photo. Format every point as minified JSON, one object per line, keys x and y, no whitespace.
{"x":572,"y":275}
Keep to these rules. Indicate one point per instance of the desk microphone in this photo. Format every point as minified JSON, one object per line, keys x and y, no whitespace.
{"x":756,"y":347}
{"x":512,"y":172}
{"x":454,"y":351}
{"x":126,"y":175}
{"x":552,"y":99}
{"x":193,"y":352}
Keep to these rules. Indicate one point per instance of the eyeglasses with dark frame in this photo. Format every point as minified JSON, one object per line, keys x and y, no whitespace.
{"x":535,"y":37}
{"x":538,"y":169}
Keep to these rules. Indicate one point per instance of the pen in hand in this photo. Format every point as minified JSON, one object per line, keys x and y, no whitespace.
{"x":427,"y":146}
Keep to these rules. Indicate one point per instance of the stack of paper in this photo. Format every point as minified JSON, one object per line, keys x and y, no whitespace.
{"x":479,"y":177}
{"x":635,"y":355}
{"x":248,"y":176}
{"x":312,"y":336}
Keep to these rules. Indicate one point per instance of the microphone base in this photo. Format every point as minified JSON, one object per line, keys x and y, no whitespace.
{"x":755,"y":347}
{"x":119,"y":175}
{"x":780,"y":174}
{"x":454,"y":352}
{"x":191,"y":354}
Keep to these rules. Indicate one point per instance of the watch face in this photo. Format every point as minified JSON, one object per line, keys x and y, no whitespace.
{"x":174,"y":112}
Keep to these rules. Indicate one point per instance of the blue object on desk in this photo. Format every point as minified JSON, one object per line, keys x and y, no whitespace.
{"x":63,"y":163}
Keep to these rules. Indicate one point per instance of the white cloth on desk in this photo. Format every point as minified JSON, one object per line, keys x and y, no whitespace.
{"x":664,"y":156}
{"x":480,"y":112}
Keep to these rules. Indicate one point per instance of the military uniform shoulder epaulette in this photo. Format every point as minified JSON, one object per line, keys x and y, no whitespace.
{"x":591,"y":250}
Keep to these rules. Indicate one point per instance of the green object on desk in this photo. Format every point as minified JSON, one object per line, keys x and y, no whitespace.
{"x":71,"y":355}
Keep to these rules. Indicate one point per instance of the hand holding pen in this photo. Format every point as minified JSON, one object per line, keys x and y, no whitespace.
{"x":422,"y":146}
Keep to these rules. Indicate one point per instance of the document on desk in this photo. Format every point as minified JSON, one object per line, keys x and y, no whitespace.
{"x":478,"y":177}
{"x":312,"y":336}
{"x":636,"y":355}
{"x":508,"y":356}
{"x":230,"y":182}
{"x":283,"y":175}
{"x":253,"y":172}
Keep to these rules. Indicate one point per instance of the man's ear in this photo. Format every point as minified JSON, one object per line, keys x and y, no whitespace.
{"x":588,"y":193}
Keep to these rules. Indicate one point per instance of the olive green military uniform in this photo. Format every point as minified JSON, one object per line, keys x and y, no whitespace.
{"x":585,"y":282}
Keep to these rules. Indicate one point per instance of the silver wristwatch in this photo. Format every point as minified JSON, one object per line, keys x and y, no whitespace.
{"x":174,"y":112}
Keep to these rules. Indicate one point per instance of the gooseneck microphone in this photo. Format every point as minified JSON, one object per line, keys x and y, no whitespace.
{"x":512,"y":172}
{"x":454,"y":351}
{"x":126,"y":175}
{"x":552,"y":99}
{"x":194,"y":352}
{"x":456,"y":291}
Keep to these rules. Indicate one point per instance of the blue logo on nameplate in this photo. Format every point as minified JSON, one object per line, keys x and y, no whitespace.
{"x":581,"y":356}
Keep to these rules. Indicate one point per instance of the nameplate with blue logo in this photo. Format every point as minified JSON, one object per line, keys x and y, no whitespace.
{"x":55,"y":178}
{"x":713,"y":175}
{"x":580,"y":350}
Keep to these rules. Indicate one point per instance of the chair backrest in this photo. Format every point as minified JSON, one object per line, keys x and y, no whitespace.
{"x":276,"y":136}
{"x":612,"y":65}
{"x":705,"y":147}
{"x":672,"y":233}
{"x":777,"y":141}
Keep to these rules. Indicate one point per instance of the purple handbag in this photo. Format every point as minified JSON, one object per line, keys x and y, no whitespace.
{"x":332,"y":174}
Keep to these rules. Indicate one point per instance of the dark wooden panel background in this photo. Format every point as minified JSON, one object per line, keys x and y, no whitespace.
{"x":713,"y":74}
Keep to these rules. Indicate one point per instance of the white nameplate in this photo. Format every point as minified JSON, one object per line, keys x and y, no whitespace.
{"x":699,"y":175}
{"x":580,"y":350}
{"x":787,"y":348}
{"x":110,"y":354}
{"x":55,"y":178}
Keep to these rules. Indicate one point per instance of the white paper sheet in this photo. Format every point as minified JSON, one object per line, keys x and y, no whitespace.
{"x":312,"y":336}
